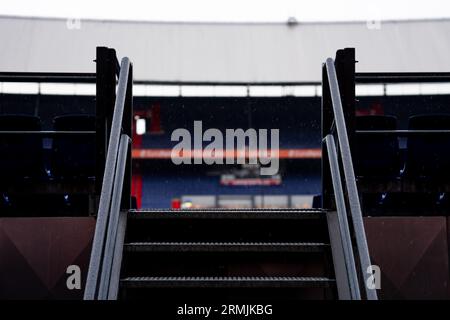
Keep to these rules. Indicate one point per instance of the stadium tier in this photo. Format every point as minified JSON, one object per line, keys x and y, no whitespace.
{"x":95,"y":176}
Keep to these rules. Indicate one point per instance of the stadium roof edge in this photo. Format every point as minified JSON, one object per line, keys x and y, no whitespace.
{"x":274,"y":23}
{"x":201,"y":52}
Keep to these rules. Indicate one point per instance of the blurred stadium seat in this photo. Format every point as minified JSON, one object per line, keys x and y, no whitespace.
{"x":21,"y":153}
{"x":377,"y":155}
{"x":73,"y":156}
{"x":428,"y":155}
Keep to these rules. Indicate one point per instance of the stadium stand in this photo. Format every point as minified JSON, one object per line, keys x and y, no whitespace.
{"x":21,"y":151}
{"x":377,"y":155}
{"x":219,"y":254}
{"x":428,"y":154}
{"x":73,"y":156}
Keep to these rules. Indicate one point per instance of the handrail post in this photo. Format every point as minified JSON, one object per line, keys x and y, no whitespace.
{"x":104,"y":104}
{"x":350,"y":180}
{"x":101,"y":225}
{"x":345,"y":72}
{"x":350,"y":274}
{"x":326,"y":123}
{"x":127,"y":127}
{"x":114,"y":214}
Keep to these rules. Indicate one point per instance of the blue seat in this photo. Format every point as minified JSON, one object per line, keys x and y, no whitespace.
{"x":317,"y":201}
{"x":21,"y":154}
{"x":376,"y":155}
{"x":73,"y":156}
{"x":428,"y":155}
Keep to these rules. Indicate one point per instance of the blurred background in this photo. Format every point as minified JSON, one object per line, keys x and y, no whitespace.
{"x":231,"y":64}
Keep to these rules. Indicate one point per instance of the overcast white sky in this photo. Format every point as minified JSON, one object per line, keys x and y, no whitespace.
{"x":230,"y":10}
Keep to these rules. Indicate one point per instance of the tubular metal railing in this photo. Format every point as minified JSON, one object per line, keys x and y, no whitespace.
{"x":401,"y":77}
{"x":52,"y":77}
{"x":339,"y":133}
{"x":107,"y":225}
{"x":349,"y":259}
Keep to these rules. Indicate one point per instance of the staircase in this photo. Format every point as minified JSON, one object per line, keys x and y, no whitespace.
{"x":223,"y":255}
{"x":220,"y":254}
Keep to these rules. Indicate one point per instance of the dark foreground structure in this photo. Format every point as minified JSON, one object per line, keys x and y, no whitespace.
{"x":378,"y":229}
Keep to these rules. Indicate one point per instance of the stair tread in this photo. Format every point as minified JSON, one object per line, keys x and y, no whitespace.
{"x":237,"y":282}
{"x":235,"y":278}
{"x":228,"y":214}
{"x":225,"y":246}
{"x":214,"y":243}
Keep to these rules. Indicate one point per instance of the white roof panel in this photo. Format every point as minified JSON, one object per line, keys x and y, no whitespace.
{"x":239,"y":52}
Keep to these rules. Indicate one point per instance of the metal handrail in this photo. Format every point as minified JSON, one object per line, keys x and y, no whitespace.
{"x":113,"y":218}
{"x":401,"y":77}
{"x":109,"y":177}
{"x":349,"y":174}
{"x":58,"y":77}
{"x":117,"y":257}
{"x":344,"y":230}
